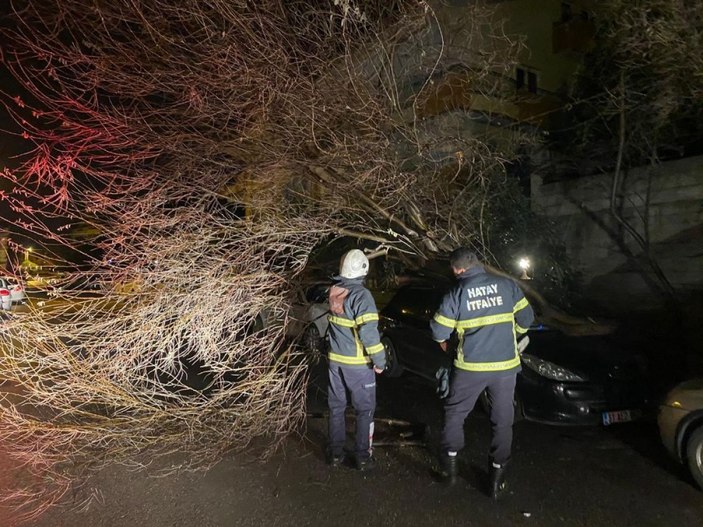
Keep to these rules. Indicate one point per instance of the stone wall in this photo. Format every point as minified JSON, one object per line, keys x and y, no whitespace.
{"x":664,"y":204}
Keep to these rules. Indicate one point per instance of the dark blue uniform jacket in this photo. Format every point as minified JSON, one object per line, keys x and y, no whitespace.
{"x":487,"y":312}
{"x":353,"y":330}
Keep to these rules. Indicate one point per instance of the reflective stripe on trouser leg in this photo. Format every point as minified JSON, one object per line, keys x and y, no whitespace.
{"x":501,"y":394}
{"x":464,"y":389}
{"x":337,"y":404}
{"x":362,"y":388}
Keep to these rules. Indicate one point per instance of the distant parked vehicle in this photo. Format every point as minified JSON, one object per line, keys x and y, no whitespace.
{"x":15,"y":287}
{"x":75,"y":283}
{"x":680,"y":422}
{"x":564,"y":380}
{"x":44,"y":281}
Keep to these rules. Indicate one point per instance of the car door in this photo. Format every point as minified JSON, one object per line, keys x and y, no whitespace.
{"x":430,"y":357}
{"x":412,"y":309}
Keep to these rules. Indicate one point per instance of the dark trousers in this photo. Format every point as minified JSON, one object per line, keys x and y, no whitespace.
{"x":360,"y":385}
{"x":465,"y":387}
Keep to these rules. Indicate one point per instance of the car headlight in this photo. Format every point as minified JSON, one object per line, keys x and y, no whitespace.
{"x":550,"y":370}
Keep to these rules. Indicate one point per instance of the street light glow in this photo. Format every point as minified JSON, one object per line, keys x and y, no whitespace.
{"x":524,"y":264}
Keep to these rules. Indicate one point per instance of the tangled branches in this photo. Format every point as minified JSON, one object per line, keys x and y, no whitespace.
{"x":643,"y":75}
{"x":209,"y":147}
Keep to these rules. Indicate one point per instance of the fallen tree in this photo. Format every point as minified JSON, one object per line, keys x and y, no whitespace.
{"x":204,"y":150}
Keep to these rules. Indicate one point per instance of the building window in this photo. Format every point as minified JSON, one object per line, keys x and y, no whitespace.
{"x":531,"y":82}
{"x":526,"y":78}
{"x":566,"y":12}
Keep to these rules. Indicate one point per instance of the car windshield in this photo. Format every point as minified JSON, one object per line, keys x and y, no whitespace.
{"x":416,"y":302}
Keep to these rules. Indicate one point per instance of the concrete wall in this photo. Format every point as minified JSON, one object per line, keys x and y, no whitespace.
{"x":664,"y":204}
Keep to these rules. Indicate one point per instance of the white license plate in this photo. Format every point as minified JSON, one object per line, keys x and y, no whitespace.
{"x":621,"y":416}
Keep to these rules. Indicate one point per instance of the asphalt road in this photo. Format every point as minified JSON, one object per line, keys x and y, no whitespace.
{"x":616,"y":476}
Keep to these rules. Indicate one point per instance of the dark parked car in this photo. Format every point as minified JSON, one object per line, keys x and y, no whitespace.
{"x":564,"y":380}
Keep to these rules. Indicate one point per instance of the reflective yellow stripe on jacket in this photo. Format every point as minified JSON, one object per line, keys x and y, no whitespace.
{"x":359,"y":358}
{"x":462,"y":325}
{"x":521,"y":304}
{"x":484,"y":321}
{"x":368,"y":317}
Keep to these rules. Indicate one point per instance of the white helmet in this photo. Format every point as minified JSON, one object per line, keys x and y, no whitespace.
{"x":354,"y":264}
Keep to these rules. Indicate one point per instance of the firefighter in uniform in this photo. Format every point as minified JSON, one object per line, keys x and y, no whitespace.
{"x":356,"y":355}
{"x":486,"y":311}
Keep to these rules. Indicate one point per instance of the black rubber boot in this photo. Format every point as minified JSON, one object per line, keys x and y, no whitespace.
{"x":449,"y":468}
{"x":335,"y":460}
{"x":496,"y":484}
{"x":365,"y":464}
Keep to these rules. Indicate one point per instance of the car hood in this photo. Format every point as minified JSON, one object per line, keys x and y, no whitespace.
{"x":592,"y":356}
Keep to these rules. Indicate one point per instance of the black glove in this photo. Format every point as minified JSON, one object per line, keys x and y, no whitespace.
{"x":442,"y":377}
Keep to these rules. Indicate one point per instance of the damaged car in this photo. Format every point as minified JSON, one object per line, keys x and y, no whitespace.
{"x":309,"y":317}
{"x":566,"y":380}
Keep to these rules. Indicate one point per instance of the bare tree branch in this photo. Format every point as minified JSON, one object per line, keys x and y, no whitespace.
{"x":209,"y":147}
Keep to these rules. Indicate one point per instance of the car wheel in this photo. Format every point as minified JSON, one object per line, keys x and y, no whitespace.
{"x":393,"y":367}
{"x":694,"y":455}
{"x":517,"y":405}
{"x":313,"y":343}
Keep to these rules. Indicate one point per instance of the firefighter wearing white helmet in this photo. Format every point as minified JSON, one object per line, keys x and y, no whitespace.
{"x":354,"y":264}
{"x":356,"y":354}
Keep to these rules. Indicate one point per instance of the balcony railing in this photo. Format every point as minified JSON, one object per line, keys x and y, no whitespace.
{"x":456,"y":90}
